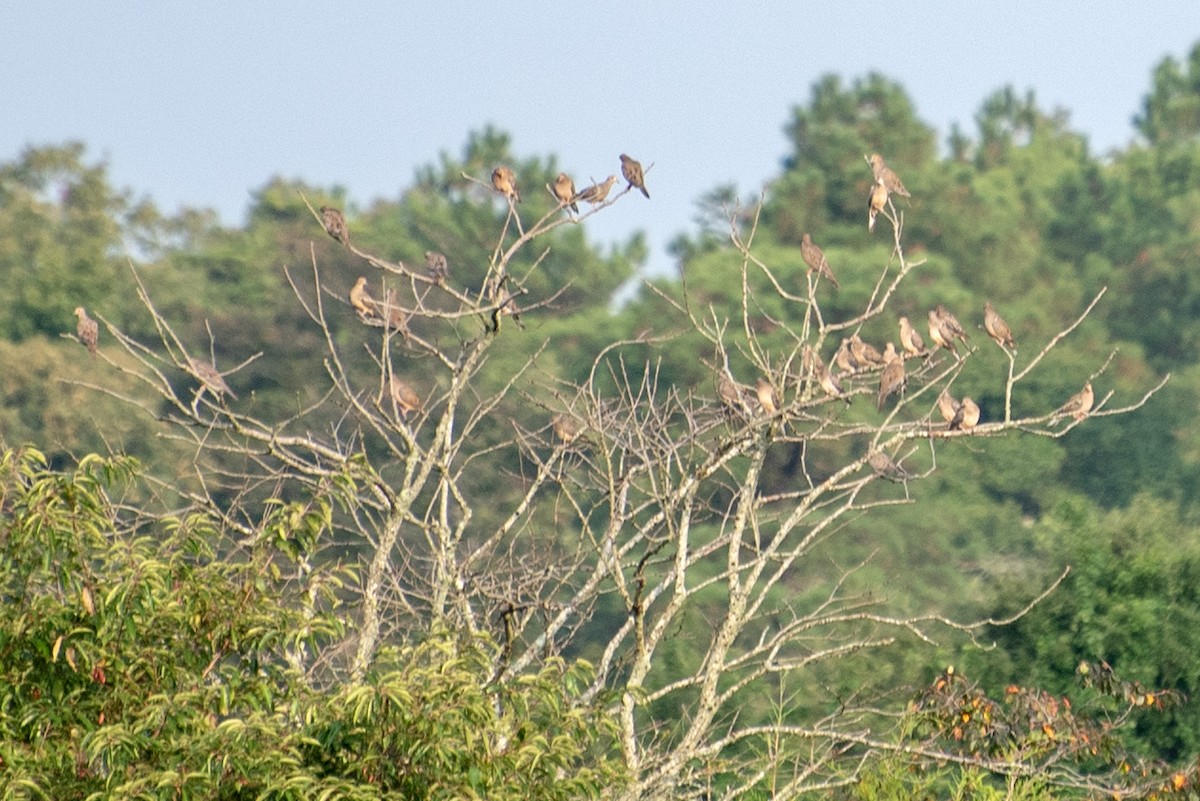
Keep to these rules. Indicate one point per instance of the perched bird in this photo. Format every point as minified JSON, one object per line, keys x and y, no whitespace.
{"x":809,"y":358}
{"x":947,"y":405}
{"x":940,"y":340}
{"x":892,"y":378}
{"x":768,"y":398}
{"x":596,"y":193}
{"x":910,"y":338}
{"x":335,"y":224}
{"x":844,"y":358}
{"x":950,"y":323}
{"x":995,"y":326}
{"x":87,"y":329}
{"x":210,"y":378}
{"x":361,"y":300}
{"x":864,"y":353}
{"x":564,"y":190}
{"x":407,"y":400}
{"x":944,"y":328}
{"x":632,"y":171}
{"x":814,"y":257}
{"x":966,"y":416}
{"x":1080,"y":403}
{"x":436,"y":264}
{"x":886,"y":467}
{"x":504,"y":182}
{"x":875,"y":203}
{"x":828,"y":381}
{"x":566,"y":427}
{"x":394,"y":316}
{"x":885,"y":175}
{"x":731,"y":393}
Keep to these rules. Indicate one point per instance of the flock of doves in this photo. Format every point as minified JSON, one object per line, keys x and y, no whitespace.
{"x":853,"y":355}
{"x":856,"y":356}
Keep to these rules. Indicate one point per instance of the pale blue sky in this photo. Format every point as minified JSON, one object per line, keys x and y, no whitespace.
{"x":197,"y":104}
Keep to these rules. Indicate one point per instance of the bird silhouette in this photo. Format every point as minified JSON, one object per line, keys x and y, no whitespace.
{"x":886,"y":467}
{"x":910,"y":338}
{"x":995,"y":326}
{"x":885,"y":175}
{"x":966,"y":416}
{"x":596,"y":193}
{"x":875,"y":203}
{"x":892,"y":377}
{"x":566,"y":427}
{"x":210,"y":378}
{"x":947,"y":405}
{"x":768,"y":398}
{"x":335,"y":224}
{"x":87,"y":329}
{"x":436,"y":265}
{"x":564,"y":190}
{"x":1080,"y":403}
{"x":505,"y":182}
{"x":814,"y":257}
{"x":406,"y":398}
{"x":632,"y":171}
{"x":361,"y":300}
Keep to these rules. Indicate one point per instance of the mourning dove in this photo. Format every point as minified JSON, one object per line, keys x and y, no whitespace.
{"x":892,"y":378}
{"x":436,"y":265}
{"x":886,"y":467}
{"x":884,"y":174}
{"x":632,"y":171}
{"x":864,"y":353}
{"x":87,"y":329}
{"x":995,"y":326}
{"x":394,"y":316}
{"x":407,"y":400}
{"x":504,"y":182}
{"x":844,"y":358}
{"x":940,"y":339}
{"x":566,"y":427}
{"x":814,"y":257}
{"x":828,"y":381}
{"x":966,"y":416}
{"x":335,"y":224}
{"x":910,"y":338}
{"x":361,"y":300}
{"x":732,"y":394}
{"x":808,"y":361}
{"x":564,"y":190}
{"x":1080,"y":403}
{"x":947,"y":405}
{"x":768,"y":398}
{"x":944,"y":328}
{"x":210,"y":378}
{"x":875,"y":203}
{"x":596,"y":193}
{"x":812,"y":364}
{"x":950,"y":323}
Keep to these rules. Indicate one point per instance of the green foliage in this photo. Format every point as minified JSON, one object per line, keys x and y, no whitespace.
{"x":1171,"y":112}
{"x":1131,"y":600}
{"x":152,"y":658}
{"x":840,"y":127}
{"x":60,"y":234}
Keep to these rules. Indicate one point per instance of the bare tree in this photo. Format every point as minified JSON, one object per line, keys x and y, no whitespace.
{"x":635,"y":511}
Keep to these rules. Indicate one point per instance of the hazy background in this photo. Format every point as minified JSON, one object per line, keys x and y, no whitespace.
{"x":197,"y":104}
